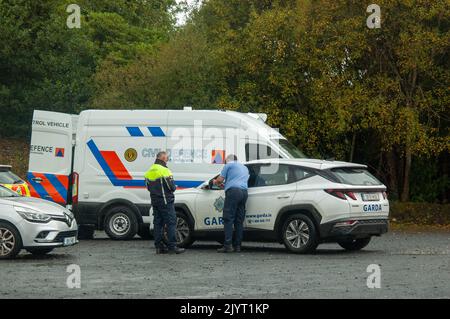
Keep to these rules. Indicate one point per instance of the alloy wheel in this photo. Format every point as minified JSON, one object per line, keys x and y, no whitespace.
{"x":7,"y":241}
{"x":297,"y":233}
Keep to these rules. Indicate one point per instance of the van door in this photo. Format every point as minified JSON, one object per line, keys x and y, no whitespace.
{"x":50,"y":163}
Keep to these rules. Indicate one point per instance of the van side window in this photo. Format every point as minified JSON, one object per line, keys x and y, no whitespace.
{"x":255,"y":151}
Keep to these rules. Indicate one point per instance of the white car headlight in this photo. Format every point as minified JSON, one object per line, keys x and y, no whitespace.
{"x":32,"y":215}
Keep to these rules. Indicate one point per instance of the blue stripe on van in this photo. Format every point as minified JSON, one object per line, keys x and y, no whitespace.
{"x":134,"y":131}
{"x":156,"y":131}
{"x":60,"y":188}
{"x":128,"y":182}
{"x":38,"y":187}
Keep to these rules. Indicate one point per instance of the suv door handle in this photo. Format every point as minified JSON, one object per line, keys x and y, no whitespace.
{"x":283,"y":196}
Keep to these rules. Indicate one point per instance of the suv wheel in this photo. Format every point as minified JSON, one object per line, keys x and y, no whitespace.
{"x":121,"y":223}
{"x":10,"y":241}
{"x":299,"y":234}
{"x":355,"y":244}
{"x":183,"y":232}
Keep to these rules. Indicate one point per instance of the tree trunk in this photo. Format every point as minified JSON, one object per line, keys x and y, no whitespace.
{"x":352,"y":150}
{"x":391,"y":161}
{"x":406,"y":171}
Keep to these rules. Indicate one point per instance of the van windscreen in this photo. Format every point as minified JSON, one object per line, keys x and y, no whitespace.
{"x":290,"y":148}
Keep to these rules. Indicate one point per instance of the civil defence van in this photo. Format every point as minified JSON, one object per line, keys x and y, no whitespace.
{"x":94,"y":163}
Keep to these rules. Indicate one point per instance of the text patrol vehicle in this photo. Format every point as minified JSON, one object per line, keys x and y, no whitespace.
{"x":94,"y":162}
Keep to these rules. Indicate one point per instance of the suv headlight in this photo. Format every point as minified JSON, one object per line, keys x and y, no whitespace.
{"x":32,"y":215}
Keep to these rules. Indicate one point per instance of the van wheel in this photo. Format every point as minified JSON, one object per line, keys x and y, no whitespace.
{"x":10,"y":241}
{"x":120,"y":223}
{"x":299,"y":234}
{"x":39,"y":251}
{"x":184,"y":230}
{"x":355,"y":244}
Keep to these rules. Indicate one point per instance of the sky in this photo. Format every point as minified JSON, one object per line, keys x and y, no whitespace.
{"x":181,"y":17}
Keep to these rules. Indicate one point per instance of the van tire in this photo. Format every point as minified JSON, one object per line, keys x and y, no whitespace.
{"x":355,"y":244}
{"x":294,"y":231}
{"x":8,"y":230}
{"x":120,"y":223}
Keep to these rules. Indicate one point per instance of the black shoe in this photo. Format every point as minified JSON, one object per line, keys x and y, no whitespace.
{"x":177,"y":251}
{"x":237,"y":249}
{"x":162,"y":250}
{"x":225,"y":249}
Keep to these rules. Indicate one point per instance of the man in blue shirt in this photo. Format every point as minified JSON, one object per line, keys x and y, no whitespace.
{"x":235,"y":175}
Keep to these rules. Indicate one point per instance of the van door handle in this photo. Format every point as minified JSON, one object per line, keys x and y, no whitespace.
{"x":283,"y":196}
{"x":37,"y":180}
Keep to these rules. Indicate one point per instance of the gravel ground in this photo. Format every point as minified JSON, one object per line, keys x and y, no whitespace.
{"x":413,"y":265}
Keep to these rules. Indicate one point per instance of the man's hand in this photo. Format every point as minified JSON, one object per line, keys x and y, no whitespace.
{"x":218,"y":181}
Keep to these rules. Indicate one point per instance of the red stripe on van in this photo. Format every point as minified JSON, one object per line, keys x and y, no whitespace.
{"x":115,"y":164}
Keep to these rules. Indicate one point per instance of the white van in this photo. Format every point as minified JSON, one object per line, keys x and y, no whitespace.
{"x":94,"y":162}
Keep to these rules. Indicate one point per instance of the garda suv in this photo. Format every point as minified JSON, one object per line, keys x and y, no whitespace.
{"x":33,"y":224}
{"x":298,"y":202}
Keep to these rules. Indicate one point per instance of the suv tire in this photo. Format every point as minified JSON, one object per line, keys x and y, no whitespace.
{"x":299,"y":234}
{"x":355,"y":244}
{"x":184,"y":231}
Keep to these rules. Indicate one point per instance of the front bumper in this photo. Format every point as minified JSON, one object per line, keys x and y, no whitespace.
{"x":355,"y":228}
{"x":51,"y":234}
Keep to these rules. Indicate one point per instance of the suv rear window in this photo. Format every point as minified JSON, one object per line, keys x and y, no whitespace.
{"x":355,"y":176}
{"x":7,"y":177}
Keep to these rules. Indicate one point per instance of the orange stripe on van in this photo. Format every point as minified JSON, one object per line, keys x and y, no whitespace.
{"x":50,"y":189}
{"x":115,"y":164}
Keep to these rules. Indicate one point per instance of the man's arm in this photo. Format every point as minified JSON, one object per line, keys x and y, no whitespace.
{"x":223,"y":175}
{"x":219,"y":180}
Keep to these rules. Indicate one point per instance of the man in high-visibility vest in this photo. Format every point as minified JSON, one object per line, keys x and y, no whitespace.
{"x":160,"y":183}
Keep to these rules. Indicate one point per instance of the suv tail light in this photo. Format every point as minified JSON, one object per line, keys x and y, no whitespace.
{"x":341,"y":193}
{"x":385,"y":195}
{"x":75,"y":188}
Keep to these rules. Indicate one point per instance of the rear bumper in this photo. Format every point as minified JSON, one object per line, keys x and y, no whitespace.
{"x":354,"y":228}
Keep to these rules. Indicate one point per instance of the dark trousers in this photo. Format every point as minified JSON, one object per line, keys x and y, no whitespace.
{"x":165,"y":215}
{"x":234,"y":215}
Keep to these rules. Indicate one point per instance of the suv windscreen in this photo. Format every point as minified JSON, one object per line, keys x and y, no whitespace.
{"x":355,"y":176}
{"x":290,"y":148}
{"x":8,"y":177}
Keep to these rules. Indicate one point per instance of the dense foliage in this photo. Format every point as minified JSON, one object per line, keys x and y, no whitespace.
{"x":334,"y":87}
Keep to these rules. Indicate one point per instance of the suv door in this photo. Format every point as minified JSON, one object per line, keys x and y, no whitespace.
{"x":270,"y":189}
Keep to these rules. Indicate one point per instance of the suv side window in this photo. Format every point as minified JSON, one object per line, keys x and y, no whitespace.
{"x":260,"y":178}
{"x":255,"y":151}
{"x":299,"y":173}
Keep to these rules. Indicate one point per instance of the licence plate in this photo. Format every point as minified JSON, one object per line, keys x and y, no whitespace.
{"x":368,"y":197}
{"x":69,"y":241}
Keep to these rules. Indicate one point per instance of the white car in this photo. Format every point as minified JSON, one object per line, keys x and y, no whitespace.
{"x":33,"y":224}
{"x":300,"y":203}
